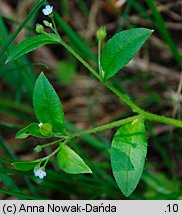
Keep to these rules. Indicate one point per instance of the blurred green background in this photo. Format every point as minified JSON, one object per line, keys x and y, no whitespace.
{"x":153,"y":79}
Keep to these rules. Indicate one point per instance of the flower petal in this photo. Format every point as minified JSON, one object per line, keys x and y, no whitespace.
{"x":47,"y":10}
{"x":41,"y":176}
{"x":47,"y":7}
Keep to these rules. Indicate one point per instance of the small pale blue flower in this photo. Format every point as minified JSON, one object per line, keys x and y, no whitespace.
{"x":39,"y":173}
{"x":47,"y":10}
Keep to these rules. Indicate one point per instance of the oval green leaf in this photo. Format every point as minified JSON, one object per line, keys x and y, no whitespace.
{"x":70,"y":162}
{"x":31,"y":44}
{"x":31,"y":130}
{"x":121,"y":48}
{"x":128,"y":154}
{"x":25,"y":165}
{"x":47,"y":106}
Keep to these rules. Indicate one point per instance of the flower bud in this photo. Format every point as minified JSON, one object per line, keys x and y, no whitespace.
{"x":38,"y":149}
{"x":48,"y":24}
{"x":101,"y":33}
{"x":46,"y":129}
{"x":39,"y":28}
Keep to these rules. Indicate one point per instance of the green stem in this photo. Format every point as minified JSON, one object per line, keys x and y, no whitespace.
{"x":99,"y":55}
{"x":119,"y":123}
{"x":40,"y":147}
{"x":89,"y":67}
{"x":161,"y":119}
{"x":54,"y":24}
{"x":124,"y":98}
{"x":89,"y":131}
{"x":133,"y":106}
{"x":146,"y":115}
{"x":47,"y":158}
{"x":105,"y":127}
{"x":50,"y":156}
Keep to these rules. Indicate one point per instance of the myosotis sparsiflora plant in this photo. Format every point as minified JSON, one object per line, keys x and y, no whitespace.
{"x":129,"y":144}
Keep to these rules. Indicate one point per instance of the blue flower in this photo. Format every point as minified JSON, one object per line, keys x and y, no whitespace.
{"x":39,"y":173}
{"x":47,"y":10}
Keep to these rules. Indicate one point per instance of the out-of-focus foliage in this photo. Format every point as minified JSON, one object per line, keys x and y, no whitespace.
{"x":152,"y":78}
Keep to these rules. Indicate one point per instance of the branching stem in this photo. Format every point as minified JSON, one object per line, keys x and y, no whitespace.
{"x":123,"y":98}
{"x":106,"y":126}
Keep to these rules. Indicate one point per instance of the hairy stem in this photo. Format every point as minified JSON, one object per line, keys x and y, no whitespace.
{"x":106,"y":126}
{"x":40,"y":147}
{"x":123,"y":98}
{"x":99,"y":55}
{"x":77,"y":56}
{"x":54,"y":24}
{"x":50,"y":156}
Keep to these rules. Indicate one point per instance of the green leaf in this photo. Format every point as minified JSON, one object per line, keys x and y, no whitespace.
{"x":47,"y":106}
{"x":8,"y":181}
{"x":32,"y":13}
{"x":70,"y":162}
{"x":121,"y":48}
{"x":31,"y":130}
{"x":128,"y":153}
{"x":25,"y":165}
{"x":31,"y":44}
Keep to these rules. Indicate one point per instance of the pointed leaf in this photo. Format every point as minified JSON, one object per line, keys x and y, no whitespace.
{"x":31,"y":130}
{"x":31,"y":44}
{"x":128,"y":153}
{"x":121,"y":48}
{"x":25,"y":165}
{"x":70,"y":162}
{"x":47,"y":106}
